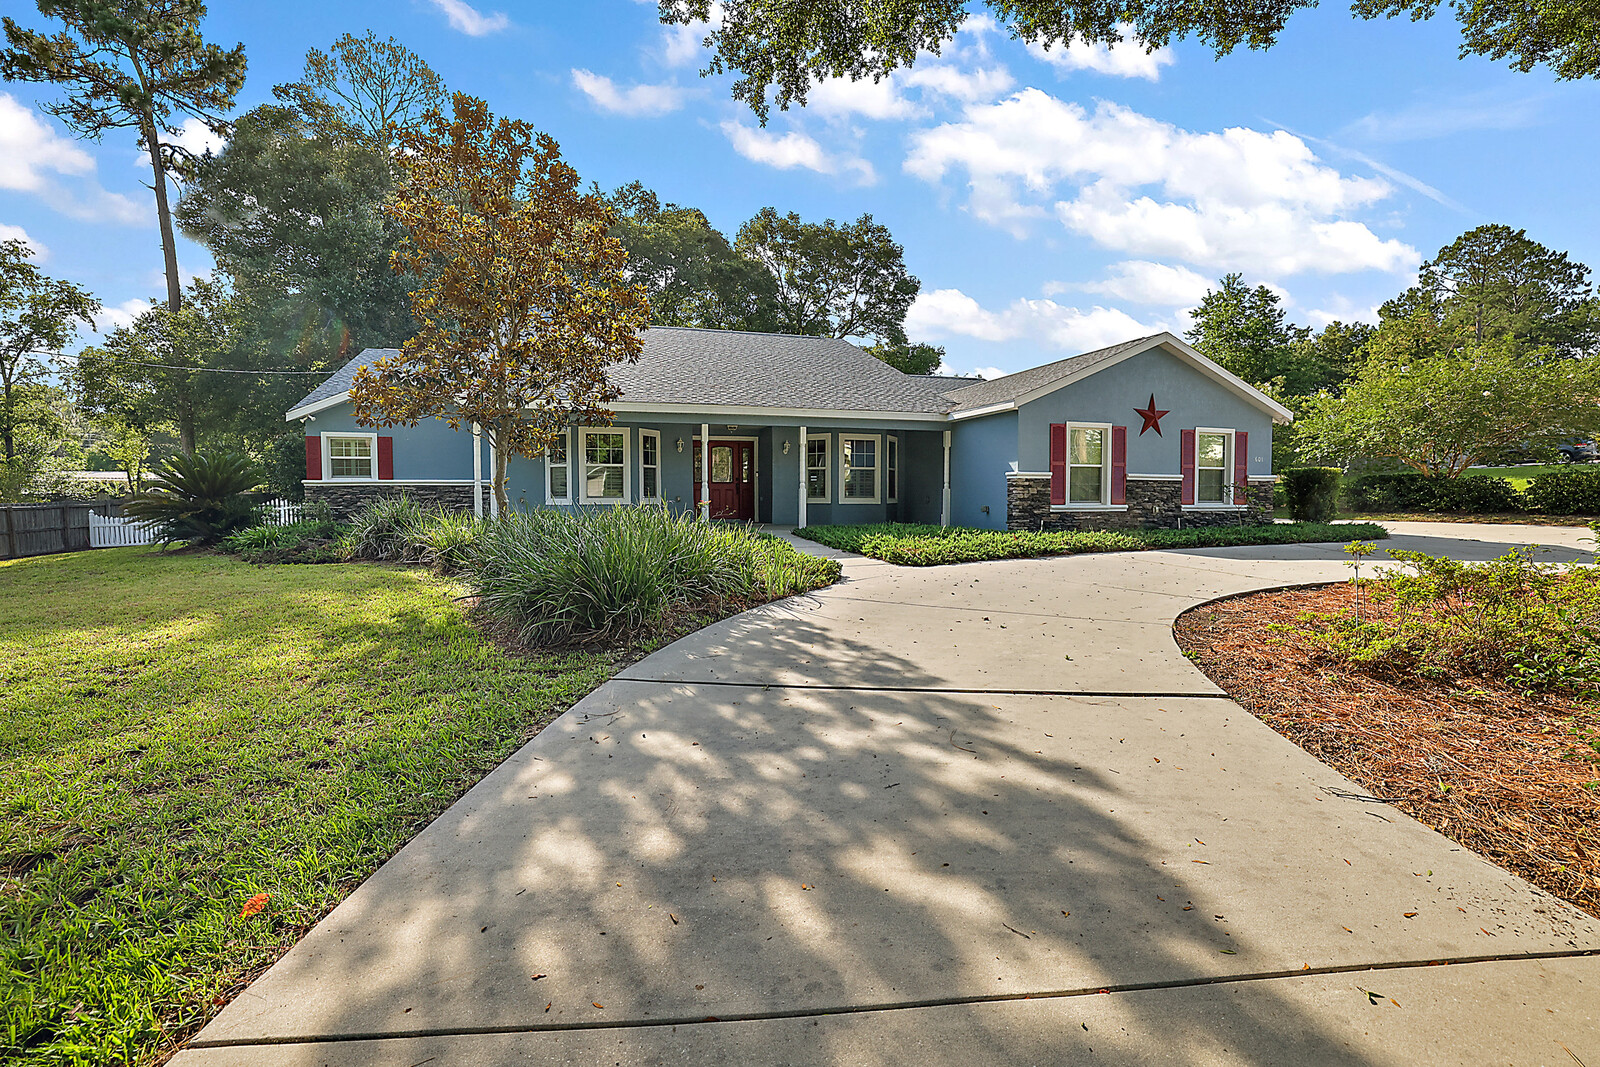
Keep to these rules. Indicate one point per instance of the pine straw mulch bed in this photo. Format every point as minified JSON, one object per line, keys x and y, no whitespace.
{"x":1512,"y":777}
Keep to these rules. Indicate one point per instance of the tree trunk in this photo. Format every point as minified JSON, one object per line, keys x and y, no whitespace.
{"x":8,"y":423}
{"x":500,"y":456}
{"x":186,"y":441}
{"x":169,"y":248}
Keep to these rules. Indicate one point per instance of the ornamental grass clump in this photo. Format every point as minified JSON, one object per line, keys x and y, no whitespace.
{"x":614,"y":574}
{"x":1531,"y":626}
{"x":387,"y":530}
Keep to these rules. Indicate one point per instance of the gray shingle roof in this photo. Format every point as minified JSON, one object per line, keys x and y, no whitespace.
{"x":1009,"y":388}
{"x":947,"y":383}
{"x":730,"y":367}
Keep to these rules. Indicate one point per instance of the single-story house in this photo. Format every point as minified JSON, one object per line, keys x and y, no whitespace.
{"x":791,"y":430}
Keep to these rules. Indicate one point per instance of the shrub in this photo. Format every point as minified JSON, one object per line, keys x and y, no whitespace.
{"x":1511,"y":619}
{"x":1572,"y":491}
{"x":312,"y":540}
{"x":1413,"y":491}
{"x":202,"y":498}
{"x":916,"y":545}
{"x":1312,"y":493}
{"x":445,"y":539}
{"x":387,"y":530}
{"x":284,"y":463}
{"x":616,"y":573}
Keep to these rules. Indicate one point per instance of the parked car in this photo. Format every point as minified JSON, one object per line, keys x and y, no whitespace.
{"x":1577,"y":452}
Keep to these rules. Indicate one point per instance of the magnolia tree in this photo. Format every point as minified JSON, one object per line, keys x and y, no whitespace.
{"x":527,"y":300}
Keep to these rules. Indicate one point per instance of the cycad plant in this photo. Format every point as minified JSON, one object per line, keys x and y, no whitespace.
{"x":201,"y":499}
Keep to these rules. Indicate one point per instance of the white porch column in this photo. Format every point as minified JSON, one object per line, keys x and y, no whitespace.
{"x":705,"y":472}
{"x":944,"y":511}
{"x":801,"y":514}
{"x":477,"y":471}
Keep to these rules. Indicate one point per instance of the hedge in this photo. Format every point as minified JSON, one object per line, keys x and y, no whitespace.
{"x":1574,"y":491}
{"x":1412,"y":491}
{"x":1311,"y":493}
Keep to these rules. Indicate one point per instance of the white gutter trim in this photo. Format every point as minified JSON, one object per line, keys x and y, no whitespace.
{"x":720,"y":411}
{"x":974,"y":413}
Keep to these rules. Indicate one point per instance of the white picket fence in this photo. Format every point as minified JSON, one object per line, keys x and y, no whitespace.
{"x":110,"y":532}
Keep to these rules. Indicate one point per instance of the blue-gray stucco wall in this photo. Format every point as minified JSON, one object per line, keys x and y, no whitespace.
{"x":432,"y":452}
{"x":1190,"y":396}
{"x":982,"y":450}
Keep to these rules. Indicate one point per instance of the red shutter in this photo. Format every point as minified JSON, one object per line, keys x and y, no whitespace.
{"x":1241,"y":467}
{"x":313,"y":459}
{"x":1058,"y":463}
{"x":385,"y":459}
{"x":1186,"y":445}
{"x":1119,"y":464}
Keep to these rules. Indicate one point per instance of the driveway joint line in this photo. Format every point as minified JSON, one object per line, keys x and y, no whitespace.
{"x":1172,"y":695}
{"x":906,"y":1005}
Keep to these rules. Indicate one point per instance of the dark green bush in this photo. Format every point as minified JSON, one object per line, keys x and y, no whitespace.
{"x":309,"y":541}
{"x":389,"y":530}
{"x":284,"y":462}
{"x":1413,"y":491}
{"x":916,"y":545}
{"x":1571,"y":491}
{"x":1311,"y":493}
{"x":202,"y":498}
{"x":617,"y":573}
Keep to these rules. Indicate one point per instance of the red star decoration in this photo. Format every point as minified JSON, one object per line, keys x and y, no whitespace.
{"x":1151,"y":417}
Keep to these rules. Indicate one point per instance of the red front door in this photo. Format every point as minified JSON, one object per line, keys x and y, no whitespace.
{"x":733,"y":479}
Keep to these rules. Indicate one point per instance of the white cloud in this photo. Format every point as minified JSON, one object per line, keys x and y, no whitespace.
{"x":950,"y":312}
{"x":682,"y":43}
{"x":1125,"y":59}
{"x":29,"y":148}
{"x":794,"y":149}
{"x":17,"y":233}
{"x":1235,"y":199}
{"x":1139,"y":281}
{"x":197,"y":137}
{"x":1341,"y":308}
{"x":638,"y":100}
{"x":967,"y":86}
{"x":842,"y":97}
{"x":988,"y":373}
{"x":123,"y":314}
{"x":34,"y":159}
{"x":469,"y":20}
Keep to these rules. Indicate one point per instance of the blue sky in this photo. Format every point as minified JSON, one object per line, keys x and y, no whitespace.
{"x":1049,"y":203}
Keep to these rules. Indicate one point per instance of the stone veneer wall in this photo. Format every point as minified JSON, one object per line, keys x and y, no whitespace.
{"x":1150,"y":504}
{"x":345,"y":497}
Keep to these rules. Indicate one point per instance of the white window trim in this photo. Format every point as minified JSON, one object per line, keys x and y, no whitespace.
{"x":550,"y":497}
{"x":627,"y":456}
{"x":642,"y":435}
{"x":1226,"y":503}
{"x":1104,"y":503}
{"x":877,"y":469}
{"x":827,"y":467}
{"x":327,"y":456}
{"x":891,"y":447}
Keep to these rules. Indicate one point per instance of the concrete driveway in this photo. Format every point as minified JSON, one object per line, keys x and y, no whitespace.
{"x":963,"y":815}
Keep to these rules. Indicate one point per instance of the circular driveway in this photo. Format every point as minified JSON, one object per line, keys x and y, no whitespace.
{"x":976,"y":814}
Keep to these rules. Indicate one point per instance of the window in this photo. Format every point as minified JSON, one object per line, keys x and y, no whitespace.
{"x":352,"y":457}
{"x":1086,"y":464}
{"x":722,"y":463}
{"x":891,"y":469}
{"x":860,"y":458}
{"x":605,"y":466}
{"x":649,"y":465}
{"x":817,"y":487}
{"x":1211,"y":467}
{"x":558,"y":487}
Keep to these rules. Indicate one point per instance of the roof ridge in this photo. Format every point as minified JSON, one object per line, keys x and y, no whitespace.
{"x":756,"y":333}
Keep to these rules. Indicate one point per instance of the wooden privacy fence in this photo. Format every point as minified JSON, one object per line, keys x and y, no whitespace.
{"x":39,"y":529}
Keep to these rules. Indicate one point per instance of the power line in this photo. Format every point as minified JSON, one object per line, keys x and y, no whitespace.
{"x":171,"y":366}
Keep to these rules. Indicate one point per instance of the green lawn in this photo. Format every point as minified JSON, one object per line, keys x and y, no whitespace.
{"x":914,"y":545}
{"x":1519,"y":477}
{"x":181,"y":732}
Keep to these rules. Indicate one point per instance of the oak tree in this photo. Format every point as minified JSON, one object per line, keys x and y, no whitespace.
{"x":139,"y":64}
{"x":780,"y":48}
{"x":38,"y":315}
{"x":526,"y":301}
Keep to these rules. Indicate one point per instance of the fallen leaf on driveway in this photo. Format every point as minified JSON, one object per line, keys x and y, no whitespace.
{"x":673,"y":917}
{"x":539,"y":976}
{"x":597,"y":1004}
{"x":1411,"y":915}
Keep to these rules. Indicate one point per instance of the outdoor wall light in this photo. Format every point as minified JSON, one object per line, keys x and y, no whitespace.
{"x":733,"y":429}
{"x":680,"y":444}
{"x":786,"y":448}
